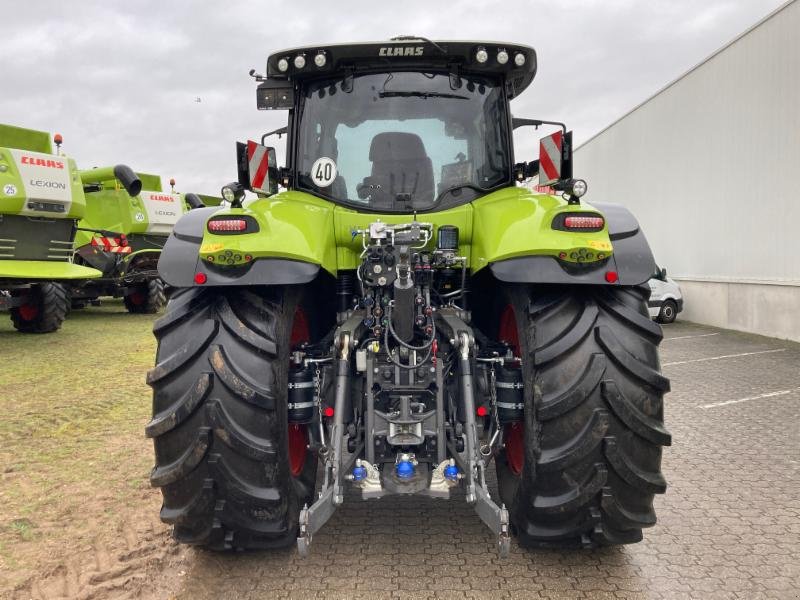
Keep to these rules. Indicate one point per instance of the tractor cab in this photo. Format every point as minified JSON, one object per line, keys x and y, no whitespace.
{"x":405,"y":126}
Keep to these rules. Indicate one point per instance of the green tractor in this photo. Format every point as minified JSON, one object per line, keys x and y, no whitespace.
{"x":122,"y":235}
{"x":402,"y":313}
{"x":41,"y":199}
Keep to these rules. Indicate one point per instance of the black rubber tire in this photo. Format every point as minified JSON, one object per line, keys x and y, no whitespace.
{"x":593,"y":418}
{"x":151,"y":298}
{"x":668,"y":312}
{"x":220,"y":419}
{"x":51,"y":305}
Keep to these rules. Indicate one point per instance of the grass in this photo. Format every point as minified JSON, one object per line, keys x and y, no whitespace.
{"x":74,"y":404}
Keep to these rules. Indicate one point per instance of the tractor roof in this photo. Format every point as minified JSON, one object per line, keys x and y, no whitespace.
{"x":407,"y":54}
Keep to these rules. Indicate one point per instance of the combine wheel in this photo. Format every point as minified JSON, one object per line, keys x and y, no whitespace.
{"x":582,"y":468}
{"x":44,"y":308}
{"x":147,"y":298}
{"x":232,"y":472}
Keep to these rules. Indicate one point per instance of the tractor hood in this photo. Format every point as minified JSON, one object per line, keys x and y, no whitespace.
{"x":516,"y":62}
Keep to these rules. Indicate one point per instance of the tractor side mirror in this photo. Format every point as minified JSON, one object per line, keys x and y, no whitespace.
{"x":663,"y":274}
{"x":257,"y":167}
{"x":555,"y":157}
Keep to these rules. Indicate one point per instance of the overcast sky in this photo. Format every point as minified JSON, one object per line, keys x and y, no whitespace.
{"x":119,"y":80}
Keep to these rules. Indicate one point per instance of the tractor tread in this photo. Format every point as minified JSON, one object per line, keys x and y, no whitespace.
{"x":576,"y":497}
{"x":226,"y":429}
{"x":238,"y":383}
{"x":178,"y":412}
{"x":653,"y":483}
{"x":647,"y":427}
{"x":240,"y":329}
{"x":198,"y":503}
{"x":623,"y":518}
{"x":567,"y":339}
{"x":608,"y":340}
{"x":185,"y":464}
{"x":185,"y":353}
{"x":578,"y":448}
{"x":555,"y":405}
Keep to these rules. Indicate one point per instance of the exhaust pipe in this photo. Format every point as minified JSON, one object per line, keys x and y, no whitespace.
{"x":193,"y":200}
{"x":123,"y":173}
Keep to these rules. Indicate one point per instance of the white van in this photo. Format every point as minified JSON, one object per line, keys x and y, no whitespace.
{"x":666,"y":300}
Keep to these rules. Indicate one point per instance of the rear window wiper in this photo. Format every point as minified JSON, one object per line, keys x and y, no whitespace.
{"x":421,"y":95}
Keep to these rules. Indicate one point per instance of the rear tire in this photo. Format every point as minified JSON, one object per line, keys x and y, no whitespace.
{"x":220,"y":426}
{"x":668,"y":312}
{"x":45,"y":308}
{"x":593,"y":428}
{"x":148,"y":298}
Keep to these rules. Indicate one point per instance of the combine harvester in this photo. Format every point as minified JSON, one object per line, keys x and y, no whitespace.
{"x":41,"y":199}
{"x":121,"y":235}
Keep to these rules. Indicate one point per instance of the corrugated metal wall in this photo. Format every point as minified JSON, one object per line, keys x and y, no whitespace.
{"x":711,"y":164}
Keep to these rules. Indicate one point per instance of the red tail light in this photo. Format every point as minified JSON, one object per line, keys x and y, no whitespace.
{"x":584,"y":222}
{"x":227,"y":225}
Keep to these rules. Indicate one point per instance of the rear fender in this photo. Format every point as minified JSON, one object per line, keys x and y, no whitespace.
{"x":631,"y":259}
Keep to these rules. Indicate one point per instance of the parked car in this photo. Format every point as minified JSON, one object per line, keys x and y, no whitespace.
{"x":666,"y":300}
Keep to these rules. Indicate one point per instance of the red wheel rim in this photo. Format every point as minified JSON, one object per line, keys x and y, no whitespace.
{"x":514,"y":433}
{"x":297,"y":448}
{"x":298,"y":434}
{"x":300,"y":333}
{"x":508,"y":332}
{"x":514,"y":437}
{"x":28,"y":312}
{"x":137,"y":298}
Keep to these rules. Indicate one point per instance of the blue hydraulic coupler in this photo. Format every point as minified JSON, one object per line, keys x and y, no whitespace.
{"x":451,"y":473}
{"x":359,"y":473}
{"x":404,"y":469}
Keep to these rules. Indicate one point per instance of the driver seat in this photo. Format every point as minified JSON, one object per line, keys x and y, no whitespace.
{"x":400,"y":166}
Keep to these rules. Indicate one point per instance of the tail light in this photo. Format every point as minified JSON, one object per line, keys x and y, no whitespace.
{"x":227,"y":225}
{"x":582,"y":222}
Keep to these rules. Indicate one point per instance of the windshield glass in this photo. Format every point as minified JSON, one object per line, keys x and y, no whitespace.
{"x":402,"y":141}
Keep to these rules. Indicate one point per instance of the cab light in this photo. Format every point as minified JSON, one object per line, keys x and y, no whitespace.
{"x":299,"y":61}
{"x":584,"y":222}
{"x":519,"y":59}
{"x":481,"y":55}
{"x":320,"y":59}
{"x":502,"y":57}
{"x":283,"y":65}
{"x":227,"y":225}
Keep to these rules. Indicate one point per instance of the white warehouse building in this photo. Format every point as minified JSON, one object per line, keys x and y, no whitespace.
{"x":710,"y":165}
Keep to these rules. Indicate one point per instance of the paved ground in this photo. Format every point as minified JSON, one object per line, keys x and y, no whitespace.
{"x":729,"y":524}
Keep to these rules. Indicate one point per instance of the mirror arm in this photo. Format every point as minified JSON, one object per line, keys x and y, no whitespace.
{"x":280,"y":131}
{"x":519,"y":122}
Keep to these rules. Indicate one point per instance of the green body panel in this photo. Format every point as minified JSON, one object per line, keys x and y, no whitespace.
{"x":292,"y":225}
{"x":515,"y":222}
{"x":504,"y":224}
{"x":25,"y":139}
{"x":47,"y":270}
